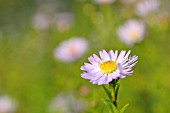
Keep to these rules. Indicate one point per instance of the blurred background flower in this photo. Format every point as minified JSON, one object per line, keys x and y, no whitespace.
{"x":7,"y":105}
{"x":66,"y":103}
{"x":71,"y":49}
{"x":146,"y":7}
{"x":131,"y":32}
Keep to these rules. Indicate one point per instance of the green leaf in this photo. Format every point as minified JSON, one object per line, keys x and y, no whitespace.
{"x":108,"y":106}
{"x":107,"y":92}
{"x":123,"y":109}
{"x":112,"y":108}
{"x":109,"y":101}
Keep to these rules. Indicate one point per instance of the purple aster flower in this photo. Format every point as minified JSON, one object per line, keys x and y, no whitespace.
{"x":109,"y":66}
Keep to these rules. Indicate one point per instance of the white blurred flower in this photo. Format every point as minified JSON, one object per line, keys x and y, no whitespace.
{"x":131,"y":32}
{"x":71,"y":49}
{"x":103,"y":1}
{"x":40,"y":21}
{"x":64,"y":21}
{"x":66,"y":103}
{"x":7,"y":105}
{"x":147,"y":6}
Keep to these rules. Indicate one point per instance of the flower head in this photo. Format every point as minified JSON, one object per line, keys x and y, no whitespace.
{"x":109,"y":66}
{"x":145,"y":7}
{"x":131,"y":32}
{"x":71,"y":49}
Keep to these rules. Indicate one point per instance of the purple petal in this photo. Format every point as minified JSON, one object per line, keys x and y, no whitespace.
{"x":115,"y":75}
{"x":125,"y":57}
{"x":121,"y":76}
{"x":96,"y":58}
{"x":115,"y":55}
{"x":104,"y":56}
{"x":120,"y":67}
{"x":86,"y":76}
{"x":98,"y":76}
{"x":102,"y":80}
{"x":109,"y":78}
{"x":91,"y":60}
{"x":111,"y":54}
{"x":94,"y":70}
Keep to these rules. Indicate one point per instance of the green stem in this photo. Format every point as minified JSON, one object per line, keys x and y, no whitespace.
{"x":115,"y":87}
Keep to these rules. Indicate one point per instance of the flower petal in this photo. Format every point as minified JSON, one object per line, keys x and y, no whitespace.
{"x":102,"y":80}
{"x":104,"y":55}
{"x":121,"y":55}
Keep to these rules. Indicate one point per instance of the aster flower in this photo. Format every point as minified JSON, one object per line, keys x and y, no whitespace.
{"x":131,"y":32}
{"x":145,"y":7}
{"x":109,"y":66}
{"x":71,"y":49}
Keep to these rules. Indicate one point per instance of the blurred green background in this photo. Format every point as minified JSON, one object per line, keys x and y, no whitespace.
{"x":30,"y":74}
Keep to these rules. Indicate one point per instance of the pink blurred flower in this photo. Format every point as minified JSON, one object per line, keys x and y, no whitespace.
{"x":71,"y":49}
{"x":131,"y":32}
{"x":66,"y":103}
{"x":147,"y":6}
{"x":7,"y":105}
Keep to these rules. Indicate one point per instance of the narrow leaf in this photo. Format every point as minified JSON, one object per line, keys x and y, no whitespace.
{"x":110,"y":109}
{"x":109,"y":101}
{"x":114,"y":108}
{"x":107,"y":92}
{"x":110,"y":105}
{"x":123,"y":109}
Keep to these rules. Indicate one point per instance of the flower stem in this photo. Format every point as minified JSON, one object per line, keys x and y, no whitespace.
{"x":115,"y":87}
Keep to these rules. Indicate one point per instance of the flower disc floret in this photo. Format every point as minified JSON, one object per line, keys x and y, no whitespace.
{"x":108,"y":67}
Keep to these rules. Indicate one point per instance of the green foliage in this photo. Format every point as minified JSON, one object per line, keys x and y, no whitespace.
{"x":123,"y":108}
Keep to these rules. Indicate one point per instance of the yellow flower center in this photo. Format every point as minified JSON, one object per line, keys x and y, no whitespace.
{"x":108,"y":67}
